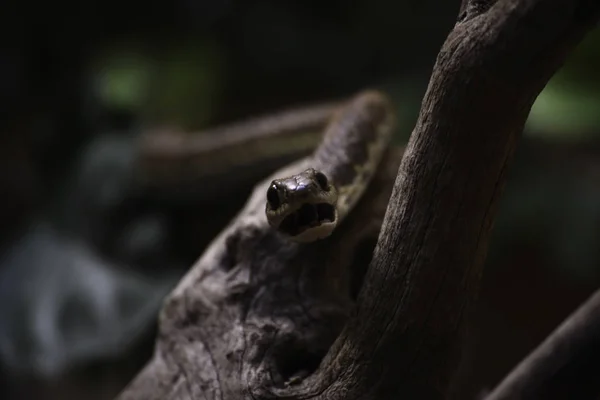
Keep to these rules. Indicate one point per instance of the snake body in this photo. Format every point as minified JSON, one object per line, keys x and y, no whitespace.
{"x":307,"y":206}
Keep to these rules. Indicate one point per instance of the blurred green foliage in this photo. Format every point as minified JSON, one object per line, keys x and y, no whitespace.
{"x":177,"y":84}
{"x":182,"y":84}
{"x":123,"y":78}
{"x":567,"y":109}
{"x":186,"y":91}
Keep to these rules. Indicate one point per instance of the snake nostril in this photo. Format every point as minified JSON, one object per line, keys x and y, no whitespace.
{"x":273,"y":197}
{"x":322,"y":180}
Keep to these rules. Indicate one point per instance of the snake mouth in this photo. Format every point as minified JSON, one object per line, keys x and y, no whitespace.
{"x":306,"y":217}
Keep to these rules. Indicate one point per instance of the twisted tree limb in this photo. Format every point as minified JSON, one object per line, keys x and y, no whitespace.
{"x":225,"y":334}
{"x":572,"y":343}
{"x":426,"y":268}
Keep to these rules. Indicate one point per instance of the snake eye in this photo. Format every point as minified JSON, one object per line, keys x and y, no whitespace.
{"x":321,"y":180}
{"x":273,"y":197}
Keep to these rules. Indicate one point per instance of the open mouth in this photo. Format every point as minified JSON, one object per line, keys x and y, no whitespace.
{"x":306,"y":217}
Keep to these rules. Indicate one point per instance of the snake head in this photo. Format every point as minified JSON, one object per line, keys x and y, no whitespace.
{"x":303,"y":206}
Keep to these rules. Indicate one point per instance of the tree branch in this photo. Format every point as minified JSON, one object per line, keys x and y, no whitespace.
{"x":405,"y":335}
{"x":572,"y":341}
{"x":244,"y":325}
{"x":472,"y":8}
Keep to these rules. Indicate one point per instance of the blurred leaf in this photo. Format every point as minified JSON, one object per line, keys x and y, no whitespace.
{"x":565,"y":112}
{"x":123,"y":79}
{"x":186,"y":90}
{"x":177,"y":84}
{"x":567,"y":109}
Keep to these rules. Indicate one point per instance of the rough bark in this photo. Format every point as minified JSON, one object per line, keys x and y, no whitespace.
{"x":427,"y":264}
{"x":260,"y":330}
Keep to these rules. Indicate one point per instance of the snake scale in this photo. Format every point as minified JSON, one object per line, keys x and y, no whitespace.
{"x":264,"y":304}
{"x":308,"y":205}
{"x":305,"y":200}
{"x":352,"y":147}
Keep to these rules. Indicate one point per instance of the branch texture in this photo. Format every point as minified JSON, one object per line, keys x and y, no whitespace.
{"x":405,"y":335}
{"x":244,"y":325}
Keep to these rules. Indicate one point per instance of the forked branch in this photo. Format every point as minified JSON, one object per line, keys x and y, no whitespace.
{"x":403,"y":337}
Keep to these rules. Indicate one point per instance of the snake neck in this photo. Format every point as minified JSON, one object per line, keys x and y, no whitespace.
{"x":353,"y":146}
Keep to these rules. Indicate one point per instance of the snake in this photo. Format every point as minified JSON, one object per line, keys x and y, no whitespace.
{"x":308,"y":205}
{"x":334,"y":149}
{"x":266,"y":283}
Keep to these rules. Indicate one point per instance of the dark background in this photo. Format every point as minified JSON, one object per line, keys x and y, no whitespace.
{"x":79,"y":81}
